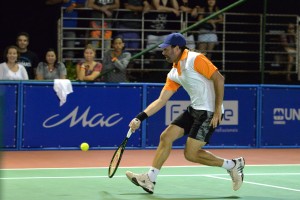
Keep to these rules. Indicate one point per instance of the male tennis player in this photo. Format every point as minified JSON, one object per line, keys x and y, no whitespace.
{"x":205,"y":86}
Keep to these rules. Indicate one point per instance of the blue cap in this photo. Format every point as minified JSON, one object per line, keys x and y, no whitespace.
{"x":175,"y":39}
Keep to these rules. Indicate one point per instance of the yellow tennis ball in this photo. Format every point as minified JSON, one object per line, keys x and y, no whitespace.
{"x":84,"y":146}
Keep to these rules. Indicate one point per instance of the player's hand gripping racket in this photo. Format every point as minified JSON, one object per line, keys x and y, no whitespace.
{"x":115,"y":161}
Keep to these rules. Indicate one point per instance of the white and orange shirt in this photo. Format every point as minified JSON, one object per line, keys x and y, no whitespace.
{"x":193,"y":72}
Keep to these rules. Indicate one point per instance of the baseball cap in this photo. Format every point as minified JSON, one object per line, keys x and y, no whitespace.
{"x":176,"y":39}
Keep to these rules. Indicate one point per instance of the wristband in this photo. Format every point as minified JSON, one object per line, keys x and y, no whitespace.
{"x":142,"y":116}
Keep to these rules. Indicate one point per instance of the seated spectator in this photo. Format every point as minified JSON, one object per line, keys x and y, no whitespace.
{"x":70,"y":35}
{"x":164,"y":18}
{"x":132,"y":37}
{"x":115,"y":62}
{"x":100,"y":7}
{"x":207,"y":37}
{"x":10,"y":69}
{"x":50,"y":69}
{"x":27,"y":58}
{"x":89,"y":69}
{"x":190,"y":14}
{"x":288,"y":40}
{"x":161,"y":20}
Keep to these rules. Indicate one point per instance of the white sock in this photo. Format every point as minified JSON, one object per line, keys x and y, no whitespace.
{"x":152,"y":173}
{"x":228,"y":164}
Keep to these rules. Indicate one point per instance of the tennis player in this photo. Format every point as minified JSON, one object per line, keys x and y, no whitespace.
{"x":205,"y":86}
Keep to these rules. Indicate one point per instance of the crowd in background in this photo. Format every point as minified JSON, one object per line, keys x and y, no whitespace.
{"x":40,"y":31}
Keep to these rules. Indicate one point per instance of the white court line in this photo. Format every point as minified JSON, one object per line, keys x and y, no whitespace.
{"x":142,"y":167}
{"x":215,"y":176}
{"x":261,"y":184}
{"x":162,"y":175}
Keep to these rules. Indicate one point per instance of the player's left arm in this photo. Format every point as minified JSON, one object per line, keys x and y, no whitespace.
{"x":210,"y":71}
{"x":218,"y":81}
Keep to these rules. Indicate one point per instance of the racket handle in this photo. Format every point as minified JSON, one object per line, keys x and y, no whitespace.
{"x":129,"y":133}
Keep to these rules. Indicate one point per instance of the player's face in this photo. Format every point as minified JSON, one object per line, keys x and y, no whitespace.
{"x":12,"y":55}
{"x":50,"y":57}
{"x":170,"y":54}
{"x":89,"y":55}
{"x":22,"y":42}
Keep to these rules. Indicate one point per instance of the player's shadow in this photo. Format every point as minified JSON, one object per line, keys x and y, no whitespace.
{"x":178,"y":196}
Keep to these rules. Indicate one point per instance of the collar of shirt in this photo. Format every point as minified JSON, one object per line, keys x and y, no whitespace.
{"x":177,"y":65}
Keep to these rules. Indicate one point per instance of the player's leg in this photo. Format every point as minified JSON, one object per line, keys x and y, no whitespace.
{"x":147,"y":180}
{"x":199,"y":135}
{"x":170,"y":134}
{"x":193,"y":152}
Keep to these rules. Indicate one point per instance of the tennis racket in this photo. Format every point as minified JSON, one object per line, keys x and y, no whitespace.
{"x":116,"y":159}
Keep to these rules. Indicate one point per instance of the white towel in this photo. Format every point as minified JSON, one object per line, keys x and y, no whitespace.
{"x":62,"y":87}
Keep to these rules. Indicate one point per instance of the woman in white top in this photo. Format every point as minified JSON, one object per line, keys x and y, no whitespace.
{"x":10,"y":69}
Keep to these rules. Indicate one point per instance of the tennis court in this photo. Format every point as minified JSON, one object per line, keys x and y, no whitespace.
{"x":83,"y":175}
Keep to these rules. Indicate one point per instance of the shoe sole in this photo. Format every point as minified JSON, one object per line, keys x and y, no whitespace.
{"x":134,"y":181}
{"x":242,"y":175}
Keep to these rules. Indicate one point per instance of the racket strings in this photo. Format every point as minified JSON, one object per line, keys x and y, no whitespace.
{"x":115,"y":161}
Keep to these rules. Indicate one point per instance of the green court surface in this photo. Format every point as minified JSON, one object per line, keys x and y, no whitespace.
{"x":267,"y":182}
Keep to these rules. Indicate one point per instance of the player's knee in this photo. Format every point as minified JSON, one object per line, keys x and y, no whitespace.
{"x":165,"y":139}
{"x":190,"y":156}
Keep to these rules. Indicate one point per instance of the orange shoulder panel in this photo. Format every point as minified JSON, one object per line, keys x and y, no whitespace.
{"x":204,"y":66}
{"x":171,"y":85}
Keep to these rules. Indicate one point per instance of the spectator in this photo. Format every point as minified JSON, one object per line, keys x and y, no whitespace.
{"x":189,"y":9}
{"x":10,"y":69}
{"x":70,"y":35}
{"x":89,"y":69}
{"x":288,"y":40}
{"x":132,"y":38}
{"x":27,"y":58}
{"x":159,"y":22}
{"x":115,"y":62}
{"x":207,"y":38}
{"x":50,"y":69}
{"x":101,"y":7}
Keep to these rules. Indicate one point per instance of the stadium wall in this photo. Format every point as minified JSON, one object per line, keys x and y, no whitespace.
{"x":256,"y":116}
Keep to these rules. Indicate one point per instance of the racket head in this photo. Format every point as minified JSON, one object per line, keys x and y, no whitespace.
{"x":116,"y":159}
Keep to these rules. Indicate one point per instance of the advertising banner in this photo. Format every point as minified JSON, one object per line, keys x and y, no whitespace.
{"x":159,"y":121}
{"x":280,"y":117}
{"x":8,"y":115}
{"x":99,"y":114}
{"x":96,"y":114}
{"x":238,"y":127}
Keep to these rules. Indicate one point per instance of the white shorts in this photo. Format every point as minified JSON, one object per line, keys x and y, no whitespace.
{"x":155,"y":39}
{"x":208,"y":37}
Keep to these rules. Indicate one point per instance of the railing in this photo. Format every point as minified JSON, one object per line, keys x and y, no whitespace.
{"x":238,"y":54}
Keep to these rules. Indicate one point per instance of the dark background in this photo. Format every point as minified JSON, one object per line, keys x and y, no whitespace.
{"x":39,"y":20}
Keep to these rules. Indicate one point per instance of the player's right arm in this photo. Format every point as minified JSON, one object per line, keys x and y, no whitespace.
{"x":154,"y":107}
{"x":169,"y":89}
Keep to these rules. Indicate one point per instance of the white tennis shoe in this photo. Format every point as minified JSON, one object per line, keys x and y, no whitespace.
{"x":236,"y":173}
{"x":141,"y":180}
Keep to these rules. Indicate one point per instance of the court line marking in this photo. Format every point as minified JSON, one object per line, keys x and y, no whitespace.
{"x":260,"y":184}
{"x":162,"y":175}
{"x":215,"y":176}
{"x":142,"y":167}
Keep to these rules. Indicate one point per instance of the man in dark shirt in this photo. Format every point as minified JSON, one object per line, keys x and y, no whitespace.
{"x":27,"y":58}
